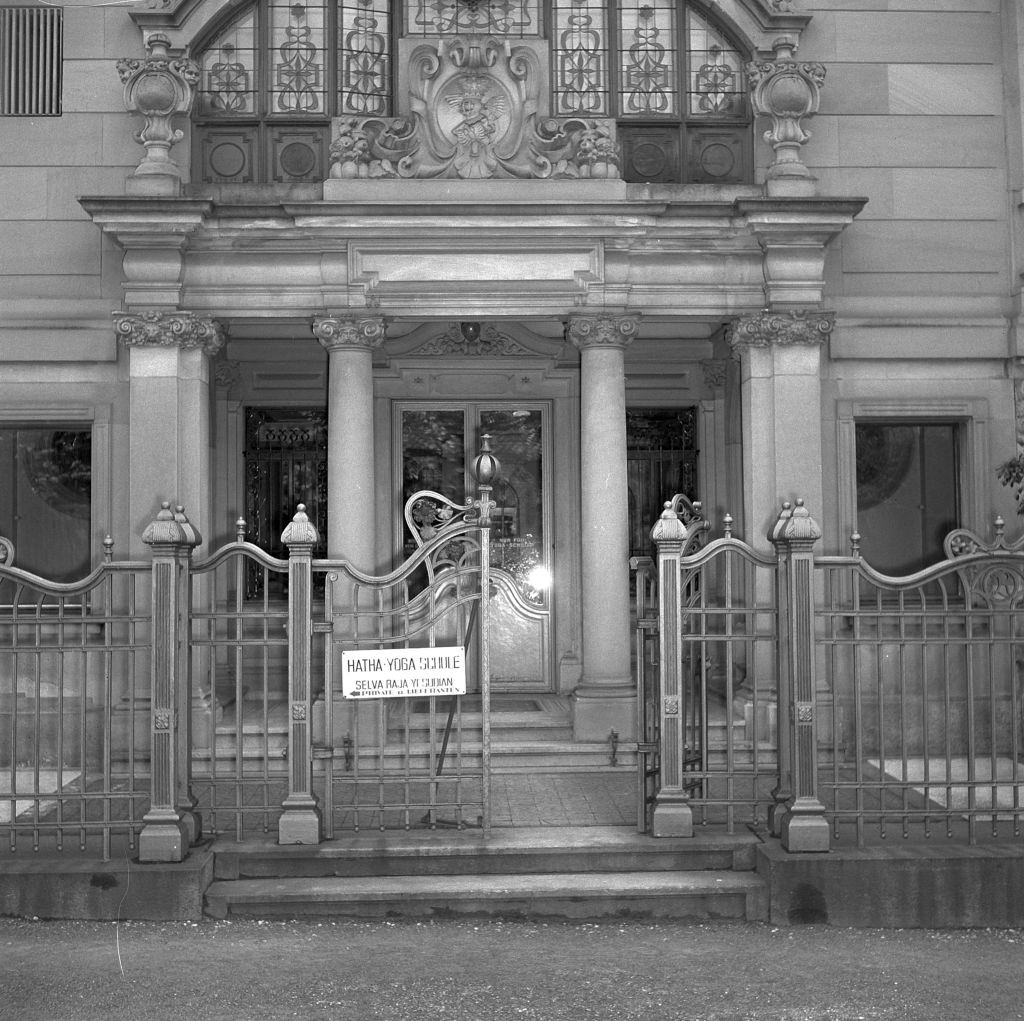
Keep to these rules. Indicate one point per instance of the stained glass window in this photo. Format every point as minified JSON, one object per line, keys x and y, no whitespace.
{"x":580,"y":47}
{"x":365,"y":57}
{"x":274,"y":75}
{"x":460,"y":17}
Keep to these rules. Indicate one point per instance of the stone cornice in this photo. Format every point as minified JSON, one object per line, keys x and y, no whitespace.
{"x":341,"y":332}
{"x":602,"y":330}
{"x":153,"y":328}
{"x":767,"y":329}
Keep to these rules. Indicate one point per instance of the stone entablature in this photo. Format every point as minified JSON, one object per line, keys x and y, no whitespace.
{"x":430,"y":256}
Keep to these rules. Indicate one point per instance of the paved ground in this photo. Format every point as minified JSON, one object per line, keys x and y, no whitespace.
{"x":479,"y":971}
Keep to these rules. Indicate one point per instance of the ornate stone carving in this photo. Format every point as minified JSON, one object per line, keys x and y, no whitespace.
{"x":602,"y":330}
{"x":298,"y":711}
{"x":158,"y":86}
{"x":162,"y":719}
{"x":226,"y":374}
{"x":714,"y":370}
{"x":787,"y":91}
{"x":169,"y":329}
{"x":489,"y":342}
{"x":671,"y":706}
{"x":473,"y":115}
{"x":764,"y":329}
{"x":349,"y":331}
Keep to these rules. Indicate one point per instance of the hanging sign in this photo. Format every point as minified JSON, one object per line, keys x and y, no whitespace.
{"x":403,"y":673}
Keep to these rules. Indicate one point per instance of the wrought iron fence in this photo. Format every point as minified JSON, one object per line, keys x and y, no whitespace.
{"x":827,"y":701}
{"x":921,"y":710}
{"x":74,"y":707}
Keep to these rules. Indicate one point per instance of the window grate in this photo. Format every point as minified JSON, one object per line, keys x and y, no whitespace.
{"x":31,"y":51}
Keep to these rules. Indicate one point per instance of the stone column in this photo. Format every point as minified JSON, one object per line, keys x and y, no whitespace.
{"x":780,"y":384}
{"x":605,"y":698}
{"x":351,"y":497}
{"x":169,"y":415}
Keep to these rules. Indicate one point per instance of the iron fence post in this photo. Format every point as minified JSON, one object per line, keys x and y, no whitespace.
{"x":486,"y":468}
{"x":672,"y":815}
{"x":171,"y":825}
{"x":798,"y":815}
{"x":300,"y":822}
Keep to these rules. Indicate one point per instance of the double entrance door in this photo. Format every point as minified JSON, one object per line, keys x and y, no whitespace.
{"x":433,"y":446}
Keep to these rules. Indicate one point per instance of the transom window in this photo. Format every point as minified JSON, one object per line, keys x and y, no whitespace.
{"x":274,"y":75}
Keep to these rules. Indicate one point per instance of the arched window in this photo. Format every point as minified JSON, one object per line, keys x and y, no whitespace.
{"x":275,"y":73}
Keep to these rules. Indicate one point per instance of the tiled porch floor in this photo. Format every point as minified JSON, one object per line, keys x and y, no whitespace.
{"x":564,"y":799}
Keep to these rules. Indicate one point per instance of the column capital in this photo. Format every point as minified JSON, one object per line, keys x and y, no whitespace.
{"x":602,"y":330}
{"x":770,"y":329}
{"x":169,"y":329}
{"x":339,"y":332}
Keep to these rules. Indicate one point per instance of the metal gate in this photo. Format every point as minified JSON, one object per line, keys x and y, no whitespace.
{"x":302,"y":758}
{"x":409,"y":761}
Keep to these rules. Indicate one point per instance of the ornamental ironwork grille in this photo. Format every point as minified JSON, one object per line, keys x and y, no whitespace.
{"x":274,"y":75}
{"x":31,"y":57}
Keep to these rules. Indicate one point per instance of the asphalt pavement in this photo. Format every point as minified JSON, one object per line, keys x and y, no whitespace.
{"x":445,"y":969}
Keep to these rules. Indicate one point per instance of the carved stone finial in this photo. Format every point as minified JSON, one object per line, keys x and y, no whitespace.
{"x":300,"y":531}
{"x":169,"y":329}
{"x":795,"y":527}
{"x":787,"y":91}
{"x":171,"y":528}
{"x":336,"y":332}
{"x":159,"y":87}
{"x":767,"y":328}
{"x":602,"y":330}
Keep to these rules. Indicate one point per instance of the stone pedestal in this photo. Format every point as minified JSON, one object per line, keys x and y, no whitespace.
{"x":605,"y":699}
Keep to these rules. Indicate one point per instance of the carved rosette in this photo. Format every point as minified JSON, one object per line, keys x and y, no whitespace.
{"x":767,"y":329}
{"x":169,"y":329}
{"x":787,"y":91}
{"x":158,"y":87}
{"x":602,"y":330}
{"x":341,"y":332}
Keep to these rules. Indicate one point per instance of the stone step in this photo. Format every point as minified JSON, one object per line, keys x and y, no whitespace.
{"x":680,"y":895}
{"x":519,"y":851}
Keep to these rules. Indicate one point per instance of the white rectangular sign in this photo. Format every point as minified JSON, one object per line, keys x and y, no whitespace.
{"x":403,"y":673}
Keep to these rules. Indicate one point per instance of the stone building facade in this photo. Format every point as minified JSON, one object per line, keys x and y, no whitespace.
{"x":755,"y":250}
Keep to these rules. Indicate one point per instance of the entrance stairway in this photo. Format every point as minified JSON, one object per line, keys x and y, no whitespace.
{"x":537,"y":872}
{"x":528,"y":733}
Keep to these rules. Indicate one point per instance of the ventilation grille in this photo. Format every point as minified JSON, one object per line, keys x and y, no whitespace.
{"x":31,"y":48}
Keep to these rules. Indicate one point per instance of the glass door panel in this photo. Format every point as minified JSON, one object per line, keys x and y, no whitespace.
{"x":436,"y":449}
